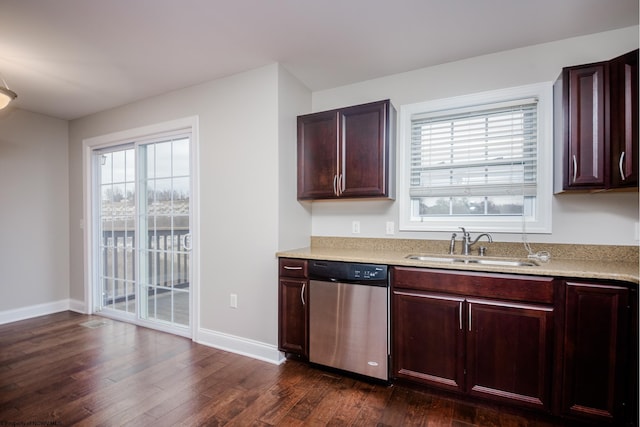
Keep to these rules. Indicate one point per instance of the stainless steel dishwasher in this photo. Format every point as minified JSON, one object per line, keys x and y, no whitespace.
{"x":348,"y":312}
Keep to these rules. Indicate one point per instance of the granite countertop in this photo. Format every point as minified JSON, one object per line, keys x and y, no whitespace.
{"x":579,"y":261}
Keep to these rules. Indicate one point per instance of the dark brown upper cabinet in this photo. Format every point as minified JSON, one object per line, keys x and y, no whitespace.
{"x":596,"y":122}
{"x":624,"y":120}
{"x":347,"y":153}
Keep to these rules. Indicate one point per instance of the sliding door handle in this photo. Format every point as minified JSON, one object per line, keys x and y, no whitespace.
{"x":186,"y":243}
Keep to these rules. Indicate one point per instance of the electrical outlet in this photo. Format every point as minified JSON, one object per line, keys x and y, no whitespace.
{"x":637,"y":231}
{"x":233,"y":300}
{"x":390,"y":227}
{"x":355,"y":227}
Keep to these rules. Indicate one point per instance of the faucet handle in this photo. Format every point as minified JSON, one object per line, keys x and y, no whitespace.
{"x":464,"y":232}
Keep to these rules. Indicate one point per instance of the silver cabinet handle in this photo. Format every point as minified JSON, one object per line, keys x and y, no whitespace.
{"x":338,"y":184}
{"x":304,"y":285}
{"x":469,"y":317}
{"x":620,"y":166}
{"x":287,"y":267}
{"x":460,"y":313}
{"x":575,"y":168}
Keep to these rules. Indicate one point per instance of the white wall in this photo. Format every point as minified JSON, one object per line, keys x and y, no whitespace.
{"x":241,"y":148}
{"x":577,"y":218}
{"x":34,"y":209}
{"x":295,"y":217}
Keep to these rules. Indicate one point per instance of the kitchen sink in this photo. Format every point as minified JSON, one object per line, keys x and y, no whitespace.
{"x":479,"y":261}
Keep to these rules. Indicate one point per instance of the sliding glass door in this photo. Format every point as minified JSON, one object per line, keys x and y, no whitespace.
{"x":143,"y":242}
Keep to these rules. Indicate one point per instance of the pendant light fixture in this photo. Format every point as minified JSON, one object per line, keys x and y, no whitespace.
{"x":6,"y":94}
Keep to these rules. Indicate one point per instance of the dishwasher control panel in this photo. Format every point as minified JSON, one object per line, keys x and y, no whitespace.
{"x":368,"y":272}
{"x":348,"y":272}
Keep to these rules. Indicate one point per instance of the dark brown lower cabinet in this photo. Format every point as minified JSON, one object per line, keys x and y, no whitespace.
{"x":428,"y":342}
{"x":495,"y":349}
{"x":293,"y":308}
{"x":597,"y":349}
{"x":509,"y":353}
{"x":293,"y":336}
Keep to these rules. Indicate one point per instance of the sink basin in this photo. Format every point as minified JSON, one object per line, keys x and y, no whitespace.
{"x":500,"y":262}
{"x":429,"y":258}
{"x":479,"y":261}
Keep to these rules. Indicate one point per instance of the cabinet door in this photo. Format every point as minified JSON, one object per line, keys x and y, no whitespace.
{"x":293,"y":324}
{"x":318,"y":155}
{"x":585,"y":121}
{"x":594,"y":351}
{"x":364,"y":150}
{"x":509,"y":351}
{"x":428,"y":339}
{"x":624,"y":120}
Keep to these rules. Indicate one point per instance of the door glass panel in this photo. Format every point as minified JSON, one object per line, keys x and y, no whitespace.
{"x":164,"y":186}
{"x":117,"y":230}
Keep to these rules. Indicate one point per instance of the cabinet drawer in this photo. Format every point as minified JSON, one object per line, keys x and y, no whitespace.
{"x":469,"y":283}
{"x":291,"y":267}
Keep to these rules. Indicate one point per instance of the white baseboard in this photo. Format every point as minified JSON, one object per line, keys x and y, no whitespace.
{"x":77,"y":306}
{"x":28,"y":312}
{"x":243,"y":346}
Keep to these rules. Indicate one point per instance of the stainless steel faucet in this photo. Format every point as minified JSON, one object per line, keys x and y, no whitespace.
{"x":467,"y":243}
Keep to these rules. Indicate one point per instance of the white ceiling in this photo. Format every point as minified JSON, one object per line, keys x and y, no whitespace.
{"x":71,"y":58}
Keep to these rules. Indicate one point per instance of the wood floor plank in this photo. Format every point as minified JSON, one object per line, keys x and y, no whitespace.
{"x":272,"y":404}
{"x":396,"y":408}
{"x":319,"y":386}
{"x":351,"y":398}
{"x":54,"y":369}
{"x":417,"y":409}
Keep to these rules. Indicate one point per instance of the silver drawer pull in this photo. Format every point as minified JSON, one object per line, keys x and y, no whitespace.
{"x":304,"y":285}
{"x":460,"y":314}
{"x":286,"y":267}
{"x":620,"y":166}
{"x":575,"y":168}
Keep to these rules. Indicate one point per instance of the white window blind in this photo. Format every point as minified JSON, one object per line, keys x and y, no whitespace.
{"x":476,"y":152}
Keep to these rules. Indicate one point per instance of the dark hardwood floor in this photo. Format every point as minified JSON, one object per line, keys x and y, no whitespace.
{"x":55,"y":371}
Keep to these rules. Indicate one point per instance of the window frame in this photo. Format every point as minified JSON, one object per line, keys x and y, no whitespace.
{"x":540,"y":221}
